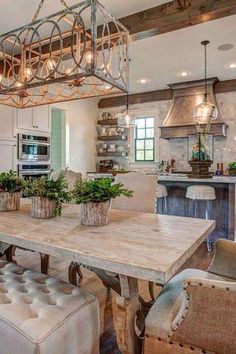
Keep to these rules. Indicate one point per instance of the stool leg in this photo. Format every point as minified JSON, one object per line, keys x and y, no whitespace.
{"x":165,"y":205}
{"x":208,"y":241}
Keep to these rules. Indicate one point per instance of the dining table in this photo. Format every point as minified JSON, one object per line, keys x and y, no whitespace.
{"x":133,"y":246}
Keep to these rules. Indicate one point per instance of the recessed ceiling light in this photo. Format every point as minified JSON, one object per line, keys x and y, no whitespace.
{"x":225,"y":47}
{"x":231,"y":65}
{"x":143,"y":81}
{"x":184,"y":73}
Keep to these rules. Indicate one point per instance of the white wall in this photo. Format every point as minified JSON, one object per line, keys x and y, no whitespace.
{"x":81,"y":116}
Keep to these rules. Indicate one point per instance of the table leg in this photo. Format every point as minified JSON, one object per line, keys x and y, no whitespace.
{"x":44,"y":258}
{"x":125,"y":308}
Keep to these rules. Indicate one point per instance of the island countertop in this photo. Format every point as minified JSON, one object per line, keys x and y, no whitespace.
{"x":215,"y":179}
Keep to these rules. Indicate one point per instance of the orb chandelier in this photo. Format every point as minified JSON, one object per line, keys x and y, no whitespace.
{"x":79,"y":52}
{"x":206,"y":111}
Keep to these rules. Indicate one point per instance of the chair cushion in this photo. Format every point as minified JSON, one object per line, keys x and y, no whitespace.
{"x":40,"y":314}
{"x":168,"y":303}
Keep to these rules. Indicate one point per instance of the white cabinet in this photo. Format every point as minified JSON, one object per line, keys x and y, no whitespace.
{"x":7,"y":155}
{"x":25,"y":119}
{"x":7,"y":123}
{"x":41,"y":119}
{"x":34,"y":119}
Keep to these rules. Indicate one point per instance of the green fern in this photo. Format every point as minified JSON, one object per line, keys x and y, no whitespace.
{"x":52,"y":189}
{"x":98,"y":191}
{"x":10,"y":182}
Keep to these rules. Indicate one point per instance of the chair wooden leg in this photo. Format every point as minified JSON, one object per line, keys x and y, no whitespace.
{"x":75,"y":274}
{"x":44,"y":263}
{"x":10,"y":253}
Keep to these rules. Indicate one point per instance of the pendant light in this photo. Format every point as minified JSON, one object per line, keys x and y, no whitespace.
{"x":126,"y":119}
{"x":206,"y":111}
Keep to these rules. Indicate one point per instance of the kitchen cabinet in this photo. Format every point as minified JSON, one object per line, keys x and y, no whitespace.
{"x":41,"y":119}
{"x":8,"y":155}
{"x":7,"y":123}
{"x":34,"y":119}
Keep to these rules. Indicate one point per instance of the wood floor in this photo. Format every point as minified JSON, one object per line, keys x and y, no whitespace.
{"x":58,"y":269}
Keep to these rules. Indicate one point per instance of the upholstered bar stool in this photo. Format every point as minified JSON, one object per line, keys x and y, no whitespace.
{"x":205,"y":194}
{"x":162,"y":195}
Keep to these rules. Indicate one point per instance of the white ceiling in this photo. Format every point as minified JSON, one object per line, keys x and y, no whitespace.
{"x":20,"y":12}
{"x":157,"y":59}
{"x":160,"y":58}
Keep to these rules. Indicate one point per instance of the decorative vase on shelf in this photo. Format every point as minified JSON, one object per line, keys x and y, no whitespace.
{"x":9,"y":201}
{"x":95,"y":214}
{"x":43,"y":208}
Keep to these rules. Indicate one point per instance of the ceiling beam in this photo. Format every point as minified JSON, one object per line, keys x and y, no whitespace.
{"x":175,"y":15}
{"x":159,"y":95}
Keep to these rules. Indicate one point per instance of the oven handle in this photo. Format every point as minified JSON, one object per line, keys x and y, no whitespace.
{"x":35,"y":172}
{"x":37,"y":143}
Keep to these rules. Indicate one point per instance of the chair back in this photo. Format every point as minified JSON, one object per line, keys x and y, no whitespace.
{"x":144,"y":196}
{"x":70,"y":176}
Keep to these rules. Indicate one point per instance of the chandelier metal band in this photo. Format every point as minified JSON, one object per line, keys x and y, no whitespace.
{"x":79,"y":52}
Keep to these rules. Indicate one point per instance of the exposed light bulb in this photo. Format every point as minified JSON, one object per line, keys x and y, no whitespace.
{"x":18,"y":84}
{"x":51,"y":64}
{"x":89,"y":58}
{"x":68,"y":71}
{"x":28,"y":73}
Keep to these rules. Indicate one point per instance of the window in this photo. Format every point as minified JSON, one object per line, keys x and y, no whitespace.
{"x":144,"y":139}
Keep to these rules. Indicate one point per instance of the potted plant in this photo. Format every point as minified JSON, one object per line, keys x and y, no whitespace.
{"x":10,"y":188}
{"x":232,"y":168}
{"x":47,"y":196}
{"x":95,"y":198}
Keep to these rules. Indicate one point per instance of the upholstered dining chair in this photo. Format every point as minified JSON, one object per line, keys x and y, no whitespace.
{"x":144,"y":196}
{"x":196,"y":311}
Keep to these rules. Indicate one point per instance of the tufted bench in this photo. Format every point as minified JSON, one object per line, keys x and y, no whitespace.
{"x":43,"y":315}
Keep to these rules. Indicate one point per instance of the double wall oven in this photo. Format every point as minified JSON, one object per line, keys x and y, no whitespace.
{"x":33,"y":155}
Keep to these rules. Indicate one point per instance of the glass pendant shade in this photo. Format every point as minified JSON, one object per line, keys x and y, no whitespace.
{"x":205,"y":112}
{"x":125,"y":120}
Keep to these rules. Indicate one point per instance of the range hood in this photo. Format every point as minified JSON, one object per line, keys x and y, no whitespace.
{"x":186,"y":96}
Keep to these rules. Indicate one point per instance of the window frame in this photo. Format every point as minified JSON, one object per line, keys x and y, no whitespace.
{"x":136,"y":139}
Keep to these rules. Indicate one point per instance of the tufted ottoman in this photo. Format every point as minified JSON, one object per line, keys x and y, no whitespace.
{"x":42,"y":315}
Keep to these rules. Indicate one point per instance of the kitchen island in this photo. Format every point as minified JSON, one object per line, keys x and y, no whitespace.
{"x":223,"y":208}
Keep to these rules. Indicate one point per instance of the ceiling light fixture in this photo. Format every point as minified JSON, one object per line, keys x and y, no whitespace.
{"x":231,"y":65}
{"x":184,"y":73}
{"x":205,"y":112}
{"x":126,"y":119}
{"x":64,"y":57}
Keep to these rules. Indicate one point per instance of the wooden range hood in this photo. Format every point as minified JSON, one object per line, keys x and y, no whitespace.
{"x":186,"y":95}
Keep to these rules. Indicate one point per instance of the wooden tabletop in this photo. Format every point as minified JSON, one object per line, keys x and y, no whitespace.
{"x":139,"y":245}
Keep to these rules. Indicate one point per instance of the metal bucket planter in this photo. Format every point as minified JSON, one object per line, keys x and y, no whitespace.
{"x":95,"y":214}
{"x":43,"y":208}
{"x":9,"y":201}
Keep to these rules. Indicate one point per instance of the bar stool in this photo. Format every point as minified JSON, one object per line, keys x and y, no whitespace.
{"x":162,"y":195}
{"x":202,"y":193}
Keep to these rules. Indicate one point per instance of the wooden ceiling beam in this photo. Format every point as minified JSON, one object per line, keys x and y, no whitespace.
{"x":159,"y":95}
{"x":175,"y":15}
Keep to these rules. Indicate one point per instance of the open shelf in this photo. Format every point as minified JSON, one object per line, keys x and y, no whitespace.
{"x":112,"y":137}
{"x":112,"y":121}
{"x":115,"y":153}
